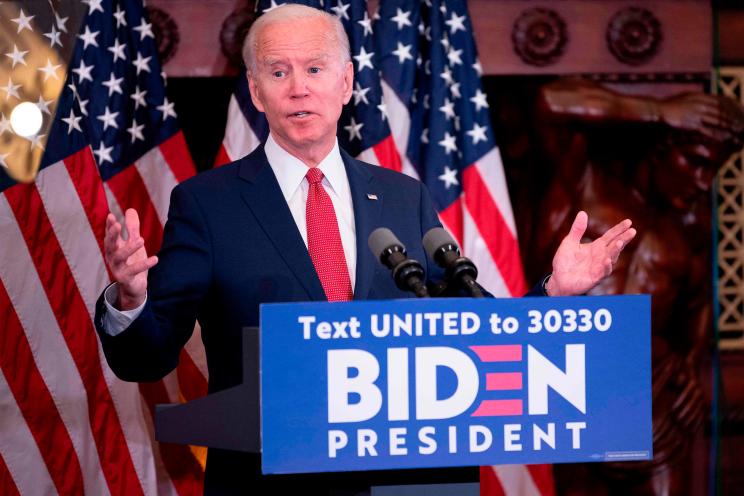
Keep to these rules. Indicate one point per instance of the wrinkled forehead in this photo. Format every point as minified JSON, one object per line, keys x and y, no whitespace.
{"x":308,"y":38}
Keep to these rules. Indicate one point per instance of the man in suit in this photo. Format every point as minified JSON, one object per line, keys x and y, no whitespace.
{"x":289,"y":222}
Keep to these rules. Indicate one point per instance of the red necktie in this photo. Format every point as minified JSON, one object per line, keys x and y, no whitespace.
{"x":324,"y":240}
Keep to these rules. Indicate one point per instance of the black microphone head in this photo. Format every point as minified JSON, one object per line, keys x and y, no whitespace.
{"x":381,"y":239}
{"x":436,"y":238}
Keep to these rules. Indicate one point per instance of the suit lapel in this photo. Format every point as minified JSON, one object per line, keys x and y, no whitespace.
{"x":367,"y":200}
{"x":263,"y":196}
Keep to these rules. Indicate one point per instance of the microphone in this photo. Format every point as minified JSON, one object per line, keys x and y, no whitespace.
{"x":408,"y":274}
{"x":440,"y":246}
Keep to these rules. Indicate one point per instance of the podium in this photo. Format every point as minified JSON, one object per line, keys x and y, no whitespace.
{"x":435,"y":387}
{"x":228,"y":419}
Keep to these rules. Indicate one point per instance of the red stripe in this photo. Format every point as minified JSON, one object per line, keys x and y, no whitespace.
{"x":222,"y":157}
{"x":387,"y":154}
{"x":503,"y":381}
{"x":36,"y":404}
{"x":77,"y":330}
{"x":185,"y":472}
{"x":542,"y":475}
{"x":451,"y":217}
{"x":84,"y":174}
{"x":176,"y":154}
{"x":183,"y":469}
{"x":494,"y":230}
{"x":489,"y":483}
{"x":7,"y":485}
{"x":498,"y":408}
{"x":498,"y":352}
{"x":130,"y":192}
{"x":191,"y":382}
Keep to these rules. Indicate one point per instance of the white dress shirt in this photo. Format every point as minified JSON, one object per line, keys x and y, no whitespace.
{"x":290,"y":174}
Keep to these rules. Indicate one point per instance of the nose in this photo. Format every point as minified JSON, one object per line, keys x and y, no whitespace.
{"x":298,"y":85}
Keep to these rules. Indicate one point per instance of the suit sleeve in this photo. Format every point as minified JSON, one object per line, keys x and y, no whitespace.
{"x":177,"y":286}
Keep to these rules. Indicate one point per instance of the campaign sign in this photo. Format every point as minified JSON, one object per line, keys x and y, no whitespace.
{"x":451,"y":382}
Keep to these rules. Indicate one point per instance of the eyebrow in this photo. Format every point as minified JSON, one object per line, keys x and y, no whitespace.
{"x":270,"y":61}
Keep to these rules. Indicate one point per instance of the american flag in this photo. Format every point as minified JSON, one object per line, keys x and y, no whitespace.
{"x":109,"y":141}
{"x":418,"y":107}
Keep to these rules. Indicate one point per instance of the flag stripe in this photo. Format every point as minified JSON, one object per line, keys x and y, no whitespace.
{"x":84,"y":175}
{"x":491,"y":169}
{"x":158,"y":180}
{"x":542,"y":475}
{"x":184,"y":470}
{"x":452,"y":218}
{"x":36,"y":403}
{"x":489,"y":275}
{"x":387,"y":154}
{"x":178,"y":460}
{"x":82,"y":250}
{"x":19,"y":451}
{"x":7,"y":485}
{"x":50,"y":350}
{"x":400,"y":126}
{"x":501,"y":244}
{"x":79,"y":335}
{"x":489,"y":483}
{"x":190,"y":379}
{"x":176,"y":155}
{"x":222,"y":156}
{"x":516,"y":479}
{"x":240,"y":138}
{"x":130,"y":192}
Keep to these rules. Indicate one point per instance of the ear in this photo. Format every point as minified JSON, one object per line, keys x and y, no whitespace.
{"x":348,"y":86}
{"x":255,"y":93}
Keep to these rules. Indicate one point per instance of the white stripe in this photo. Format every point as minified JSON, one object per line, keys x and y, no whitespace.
{"x":239,"y":140}
{"x":159,"y":181}
{"x":369,"y":156}
{"x":492,"y":172}
{"x":70,"y":223}
{"x":195,"y":349}
{"x":113,"y":204}
{"x":48,"y":347}
{"x":516,"y":480}
{"x":18,"y":448}
{"x":83,"y":255}
{"x":400,"y":126}
{"x":475,"y":247}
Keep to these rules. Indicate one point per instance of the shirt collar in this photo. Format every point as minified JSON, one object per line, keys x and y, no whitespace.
{"x":290,"y":170}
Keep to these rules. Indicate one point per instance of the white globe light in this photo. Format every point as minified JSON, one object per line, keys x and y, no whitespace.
{"x":26,"y":119}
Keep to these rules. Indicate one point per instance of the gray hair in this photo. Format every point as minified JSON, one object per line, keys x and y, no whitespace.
{"x":288,"y":12}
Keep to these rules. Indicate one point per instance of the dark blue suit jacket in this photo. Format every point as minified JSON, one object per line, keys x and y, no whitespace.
{"x":231,"y":243}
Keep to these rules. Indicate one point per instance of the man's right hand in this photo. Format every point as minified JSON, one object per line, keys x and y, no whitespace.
{"x":127,"y":260}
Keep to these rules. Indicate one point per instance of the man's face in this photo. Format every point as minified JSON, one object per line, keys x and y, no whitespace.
{"x":687,"y":172}
{"x":300,"y":83}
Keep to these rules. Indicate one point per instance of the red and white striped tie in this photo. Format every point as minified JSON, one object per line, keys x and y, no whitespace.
{"x":324,"y":240}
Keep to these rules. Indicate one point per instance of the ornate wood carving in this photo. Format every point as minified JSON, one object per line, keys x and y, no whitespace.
{"x":634,"y":35}
{"x":233,"y":32}
{"x":166,"y":33}
{"x":539,"y":36}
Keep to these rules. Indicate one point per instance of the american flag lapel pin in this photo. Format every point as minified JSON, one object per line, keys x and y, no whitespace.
{"x":371,"y":196}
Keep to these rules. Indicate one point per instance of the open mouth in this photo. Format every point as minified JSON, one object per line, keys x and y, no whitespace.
{"x":300,"y":114}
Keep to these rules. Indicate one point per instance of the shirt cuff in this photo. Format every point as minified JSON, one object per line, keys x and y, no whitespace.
{"x":116,"y":321}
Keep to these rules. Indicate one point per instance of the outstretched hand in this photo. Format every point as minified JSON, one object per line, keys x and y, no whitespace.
{"x":127,"y":260}
{"x":577,"y":266}
{"x":717,"y":117}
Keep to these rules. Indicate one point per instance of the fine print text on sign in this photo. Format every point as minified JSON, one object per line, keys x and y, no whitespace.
{"x":452,"y":382}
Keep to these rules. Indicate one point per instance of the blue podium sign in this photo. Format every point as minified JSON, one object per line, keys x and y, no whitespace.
{"x":451,"y":382}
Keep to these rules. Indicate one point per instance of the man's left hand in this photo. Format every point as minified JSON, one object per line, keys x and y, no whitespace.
{"x":577,"y":266}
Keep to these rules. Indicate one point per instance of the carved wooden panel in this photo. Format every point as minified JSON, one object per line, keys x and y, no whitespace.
{"x":513,"y":36}
{"x":731,"y":229}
